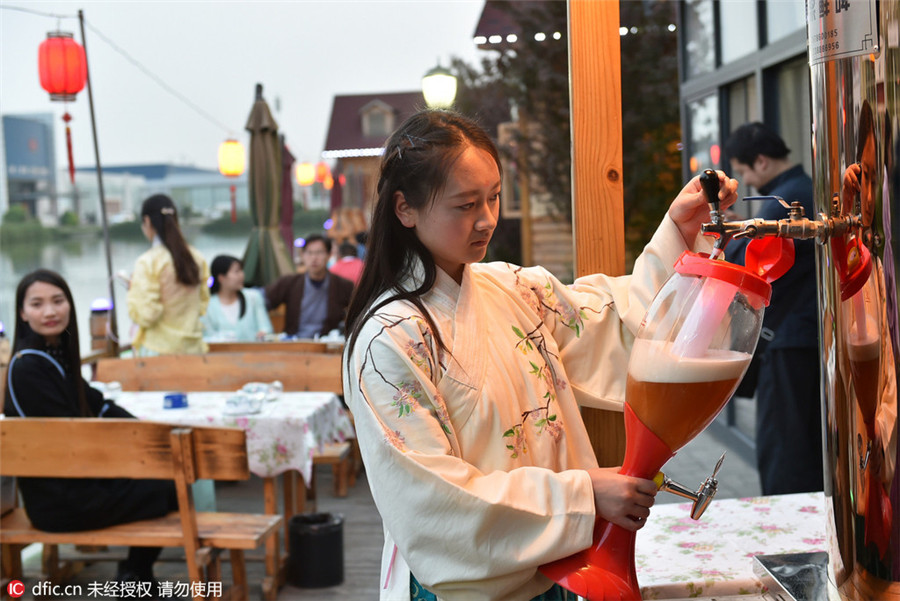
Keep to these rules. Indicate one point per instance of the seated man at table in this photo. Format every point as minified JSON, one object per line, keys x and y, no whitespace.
{"x":315,"y":301}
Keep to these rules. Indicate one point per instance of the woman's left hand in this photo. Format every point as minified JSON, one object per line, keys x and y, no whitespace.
{"x":690,"y":210}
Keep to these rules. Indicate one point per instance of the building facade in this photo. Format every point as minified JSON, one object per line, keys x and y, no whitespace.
{"x":742,"y":62}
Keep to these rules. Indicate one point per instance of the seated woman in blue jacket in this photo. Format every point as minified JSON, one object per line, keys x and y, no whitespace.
{"x":45,"y":381}
{"x":234,"y":312}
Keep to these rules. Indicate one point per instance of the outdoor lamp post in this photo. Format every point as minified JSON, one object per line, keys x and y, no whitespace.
{"x":306,"y":176}
{"x":231,"y":164}
{"x":62,"y":65}
{"x":439,"y":88}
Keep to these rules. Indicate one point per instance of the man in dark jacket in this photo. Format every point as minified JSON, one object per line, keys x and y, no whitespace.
{"x":315,"y":301}
{"x":788,"y":401}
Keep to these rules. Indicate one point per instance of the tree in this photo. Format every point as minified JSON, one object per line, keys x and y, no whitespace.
{"x":532,"y":77}
{"x":651,"y":129}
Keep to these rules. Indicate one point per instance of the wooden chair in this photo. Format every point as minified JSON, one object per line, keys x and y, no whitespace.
{"x":127,"y":448}
{"x":225,"y":371}
{"x":276,"y":316}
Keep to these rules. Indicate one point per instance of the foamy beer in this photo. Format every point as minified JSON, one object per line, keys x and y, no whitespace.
{"x":862,"y":316}
{"x":691,"y":351}
{"x":677,"y":397}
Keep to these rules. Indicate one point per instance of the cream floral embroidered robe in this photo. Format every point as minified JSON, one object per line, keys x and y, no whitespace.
{"x":476,"y":458}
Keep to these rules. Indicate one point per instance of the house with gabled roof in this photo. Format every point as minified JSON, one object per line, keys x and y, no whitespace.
{"x":359,"y":126}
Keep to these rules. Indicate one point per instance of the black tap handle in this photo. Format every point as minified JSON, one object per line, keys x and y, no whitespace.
{"x":709,"y":181}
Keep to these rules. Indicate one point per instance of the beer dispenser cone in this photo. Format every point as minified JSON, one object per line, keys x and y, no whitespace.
{"x":691,"y":351}
{"x":606,"y":569}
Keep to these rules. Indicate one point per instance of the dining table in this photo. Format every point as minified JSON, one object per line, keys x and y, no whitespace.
{"x":283,"y":434}
{"x":677,"y":557}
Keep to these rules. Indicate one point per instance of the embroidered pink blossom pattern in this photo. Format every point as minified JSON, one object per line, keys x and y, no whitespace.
{"x":395,"y":438}
{"x":567,"y":315}
{"x":440,"y":411}
{"x":532,"y":297}
{"x":517,"y":442}
{"x":550,"y":426}
{"x":407,"y":398}
{"x":418,"y":354}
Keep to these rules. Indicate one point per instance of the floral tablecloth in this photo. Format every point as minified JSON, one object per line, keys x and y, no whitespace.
{"x":284,"y":435}
{"x":677,"y":557}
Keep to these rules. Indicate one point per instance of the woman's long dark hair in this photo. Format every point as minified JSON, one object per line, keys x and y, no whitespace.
{"x":164,"y":219}
{"x":26,"y":338}
{"x":417,"y":160}
{"x":219,"y":267}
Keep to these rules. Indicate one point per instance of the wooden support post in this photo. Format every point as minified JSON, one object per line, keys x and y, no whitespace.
{"x":597,"y":188}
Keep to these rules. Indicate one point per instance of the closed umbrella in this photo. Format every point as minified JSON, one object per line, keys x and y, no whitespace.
{"x":266,"y":257}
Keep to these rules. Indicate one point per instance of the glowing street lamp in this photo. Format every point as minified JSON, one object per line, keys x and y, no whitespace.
{"x":231,"y":164}
{"x":439,"y":88}
{"x":306,"y":174}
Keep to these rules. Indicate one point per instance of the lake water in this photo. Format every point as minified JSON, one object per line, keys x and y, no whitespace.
{"x":82,"y":262}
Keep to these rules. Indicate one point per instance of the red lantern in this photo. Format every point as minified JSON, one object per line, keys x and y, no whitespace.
{"x":322,"y":171}
{"x":63,"y":69}
{"x":62,"y":66}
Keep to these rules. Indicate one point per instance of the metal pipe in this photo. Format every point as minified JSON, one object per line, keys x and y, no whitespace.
{"x":113,"y":341}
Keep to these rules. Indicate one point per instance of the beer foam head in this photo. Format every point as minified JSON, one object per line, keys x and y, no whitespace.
{"x":864,"y":343}
{"x":653,"y":361}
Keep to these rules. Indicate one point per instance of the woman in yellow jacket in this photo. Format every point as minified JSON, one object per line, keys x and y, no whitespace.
{"x":168,"y":292}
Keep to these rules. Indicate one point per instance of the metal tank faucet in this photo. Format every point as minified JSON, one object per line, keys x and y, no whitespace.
{"x":703,"y":495}
{"x":796,"y":226}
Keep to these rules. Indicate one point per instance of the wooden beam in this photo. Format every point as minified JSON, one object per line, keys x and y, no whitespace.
{"x":597,"y":189}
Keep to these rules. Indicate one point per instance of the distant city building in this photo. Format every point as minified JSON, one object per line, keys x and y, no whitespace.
{"x":30,"y":170}
{"x":204,"y":191}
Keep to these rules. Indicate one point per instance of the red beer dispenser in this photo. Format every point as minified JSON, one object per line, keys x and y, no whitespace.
{"x":692,"y":349}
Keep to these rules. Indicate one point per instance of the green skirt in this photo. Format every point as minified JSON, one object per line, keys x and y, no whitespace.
{"x":417,"y":592}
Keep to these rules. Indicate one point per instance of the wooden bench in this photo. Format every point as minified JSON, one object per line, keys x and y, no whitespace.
{"x":338,"y":456}
{"x":225,"y":371}
{"x":292,"y":346}
{"x":128,"y":448}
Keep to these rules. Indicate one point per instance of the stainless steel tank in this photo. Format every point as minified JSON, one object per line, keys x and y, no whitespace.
{"x":854,"y":54}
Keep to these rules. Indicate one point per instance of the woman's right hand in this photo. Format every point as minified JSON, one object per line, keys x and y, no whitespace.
{"x":622,"y":500}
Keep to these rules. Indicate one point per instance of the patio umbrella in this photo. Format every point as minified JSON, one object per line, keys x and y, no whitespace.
{"x":287,"y":196}
{"x":266,"y":257}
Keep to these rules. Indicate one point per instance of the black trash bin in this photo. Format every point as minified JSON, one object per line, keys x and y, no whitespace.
{"x":317,"y":550}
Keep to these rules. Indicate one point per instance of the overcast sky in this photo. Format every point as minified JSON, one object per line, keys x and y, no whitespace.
{"x":304,"y":52}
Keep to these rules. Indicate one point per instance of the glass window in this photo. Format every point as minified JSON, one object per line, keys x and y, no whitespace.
{"x":376,"y":125}
{"x":703,"y":119}
{"x":743,"y":107}
{"x":738,"y":28}
{"x":793,"y":110}
{"x":783,"y":18}
{"x":699,"y":37}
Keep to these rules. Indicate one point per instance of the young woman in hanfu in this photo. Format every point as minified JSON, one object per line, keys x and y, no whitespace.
{"x":465,"y":378}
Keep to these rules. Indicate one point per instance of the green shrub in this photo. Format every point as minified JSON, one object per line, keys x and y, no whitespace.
{"x":127,"y":230}
{"x":223,"y":226}
{"x":69,"y":218}
{"x":16,"y":214}
{"x":308,"y":221}
{"x":27,"y":231}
